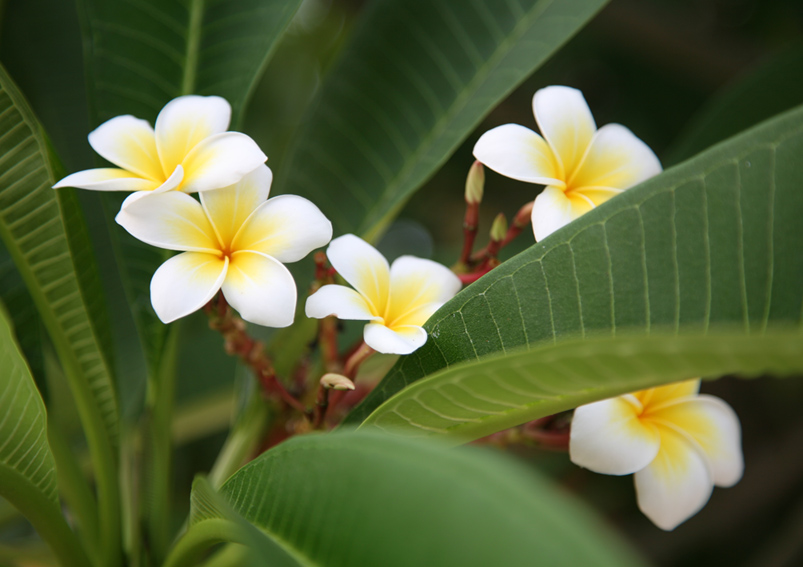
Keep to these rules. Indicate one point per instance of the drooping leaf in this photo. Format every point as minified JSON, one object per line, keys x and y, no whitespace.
{"x":418,"y":76}
{"x":772,"y":88}
{"x":34,"y":222}
{"x":471,"y":400}
{"x":27,"y":466}
{"x":709,"y":243}
{"x":361,"y":498}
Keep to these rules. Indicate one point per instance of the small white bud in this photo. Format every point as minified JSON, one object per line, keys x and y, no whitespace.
{"x":336,"y":382}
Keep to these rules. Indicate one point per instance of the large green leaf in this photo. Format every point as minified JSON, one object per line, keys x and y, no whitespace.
{"x":475,"y":399}
{"x":27,"y":467}
{"x":139,"y":55}
{"x":368,"y":499}
{"x":712,"y":242}
{"x":418,"y":76}
{"x":36,"y":227}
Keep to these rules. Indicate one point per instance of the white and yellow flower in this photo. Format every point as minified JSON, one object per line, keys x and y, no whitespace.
{"x":189,"y":150}
{"x":232,"y":240}
{"x":582,"y":167}
{"x":396,"y":300}
{"x":679,"y":445}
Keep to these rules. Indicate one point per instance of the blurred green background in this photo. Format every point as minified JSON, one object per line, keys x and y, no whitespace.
{"x":681,"y":74}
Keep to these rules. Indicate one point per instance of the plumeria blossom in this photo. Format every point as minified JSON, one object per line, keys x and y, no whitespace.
{"x":678,"y":443}
{"x":581,"y":166}
{"x":189,"y":150}
{"x":234,"y":240}
{"x":396,"y":300}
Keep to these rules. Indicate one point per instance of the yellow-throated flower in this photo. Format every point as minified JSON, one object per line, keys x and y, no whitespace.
{"x":189,"y":150}
{"x":581,"y":166}
{"x":679,"y":445}
{"x":232,"y":240}
{"x":396,"y":299}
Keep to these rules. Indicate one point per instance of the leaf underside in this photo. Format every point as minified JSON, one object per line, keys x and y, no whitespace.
{"x":710,"y":243}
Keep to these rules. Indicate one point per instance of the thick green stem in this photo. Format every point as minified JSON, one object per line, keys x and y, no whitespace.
{"x":159,"y":402}
{"x":242,"y":440}
{"x":45,"y":517}
{"x":74,"y":487}
{"x":201,"y":537}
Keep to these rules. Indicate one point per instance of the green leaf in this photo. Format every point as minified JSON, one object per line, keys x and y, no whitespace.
{"x":768,"y":90}
{"x":34,"y":228}
{"x":140,"y":55}
{"x":27,"y":467}
{"x":359,"y":498}
{"x":416,"y":79}
{"x":710,"y":243}
{"x":471,"y":400}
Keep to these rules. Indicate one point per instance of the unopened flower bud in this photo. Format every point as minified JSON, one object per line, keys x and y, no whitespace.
{"x":475,"y":184}
{"x":499,"y":228}
{"x":334,"y":381}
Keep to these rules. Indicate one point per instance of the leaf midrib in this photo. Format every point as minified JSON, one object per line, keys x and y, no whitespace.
{"x":193,"y":46}
{"x":457,"y":106}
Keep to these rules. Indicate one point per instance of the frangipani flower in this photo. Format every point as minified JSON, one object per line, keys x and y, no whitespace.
{"x":582,"y":167}
{"x":396,"y":299}
{"x":679,"y":445}
{"x":190,"y":150}
{"x":232,"y":240}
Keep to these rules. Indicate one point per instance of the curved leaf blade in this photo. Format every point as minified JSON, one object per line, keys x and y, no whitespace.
{"x":34,"y":223}
{"x":27,"y":467}
{"x":711,"y":242}
{"x":471,"y":400}
{"x":412,"y":503}
{"x":416,"y":79}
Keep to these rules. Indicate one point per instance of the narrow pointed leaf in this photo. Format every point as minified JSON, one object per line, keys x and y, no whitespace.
{"x":418,"y":76}
{"x":712,"y":242}
{"x":360,"y":498}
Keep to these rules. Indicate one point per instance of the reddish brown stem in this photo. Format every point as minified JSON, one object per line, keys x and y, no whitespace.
{"x":520,"y":221}
{"x":470,"y":224}
{"x":359,"y":356}
{"x":238,"y":342}
{"x":321,"y":405}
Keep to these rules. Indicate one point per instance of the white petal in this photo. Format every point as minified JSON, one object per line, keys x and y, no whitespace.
{"x":519,"y":153}
{"x":616,"y":158}
{"x":171,"y":220}
{"x":128,"y":143}
{"x":184,"y":122}
{"x":172,"y":182}
{"x":361,"y":265}
{"x":399,"y":340}
{"x":340,"y":301}
{"x":553,"y":209}
{"x":418,"y":287}
{"x":566,"y":122}
{"x":185,"y":283}
{"x":228,"y":208}
{"x":676,"y":485}
{"x":261,"y":289}
{"x":715,"y":427}
{"x":219,"y":161}
{"x":107,"y":179}
{"x":287,"y":227}
{"x":609,"y":438}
